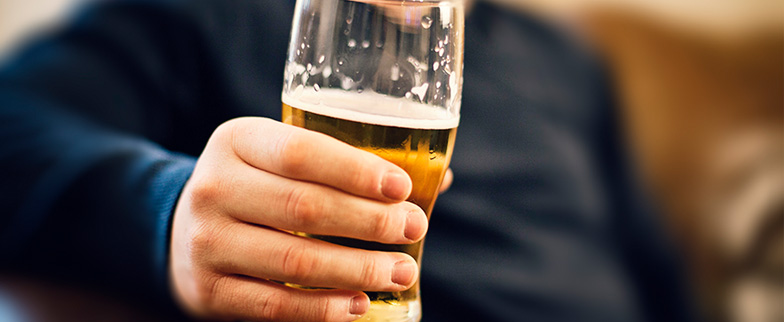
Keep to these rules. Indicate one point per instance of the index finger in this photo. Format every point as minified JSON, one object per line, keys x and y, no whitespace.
{"x":301,"y":154}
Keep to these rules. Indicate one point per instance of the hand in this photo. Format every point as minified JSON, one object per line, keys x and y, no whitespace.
{"x":257,"y":179}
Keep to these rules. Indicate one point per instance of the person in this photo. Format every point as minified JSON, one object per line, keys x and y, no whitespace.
{"x":141,"y":153}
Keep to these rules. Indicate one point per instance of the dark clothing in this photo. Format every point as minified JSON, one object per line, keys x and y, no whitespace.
{"x":100,"y":125}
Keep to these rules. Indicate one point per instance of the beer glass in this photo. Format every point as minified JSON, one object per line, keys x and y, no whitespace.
{"x":384,"y":76}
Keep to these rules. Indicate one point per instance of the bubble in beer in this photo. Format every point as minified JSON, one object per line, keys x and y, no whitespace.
{"x":426,"y":22}
{"x":420,"y":90}
{"x":346,"y":83}
{"x":394,"y":73}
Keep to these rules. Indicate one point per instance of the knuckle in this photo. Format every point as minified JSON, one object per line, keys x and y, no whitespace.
{"x":298,"y":263}
{"x":359,"y":174}
{"x":294,"y":152}
{"x":303,"y":209}
{"x":203,"y":240}
{"x":272,"y":308}
{"x":383,"y":225}
{"x":208,"y":291}
{"x":370,"y":275}
{"x":327,"y":309}
{"x":207,"y":188}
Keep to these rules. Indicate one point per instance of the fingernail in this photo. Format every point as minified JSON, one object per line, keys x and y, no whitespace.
{"x":403,"y":273}
{"x":395,"y":185}
{"x":414,"y":229}
{"x":359,"y":305}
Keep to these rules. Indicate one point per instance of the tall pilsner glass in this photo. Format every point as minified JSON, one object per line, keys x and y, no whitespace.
{"x":384,"y":76}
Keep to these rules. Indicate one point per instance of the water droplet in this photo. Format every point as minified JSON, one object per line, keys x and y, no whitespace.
{"x":352,"y":43}
{"x":349,"y":19}
{"x":446,"y":39}
{"x":426,"y":22}
{"x":316,"y":87}
{"x":409,"y":95}
{"x":302,"y":45}
{"x":435,"y":66}
{"x":438,"y":84}
{"x":360,"y":89}
{"x":345,"y":31}
{"x":379,"y":44}
{"x":305,"y":78}
{"x":441,"y":51}
{"x":440,"y":43}
{"x":341,"y":62}
{"x":309,"y":67}
{"x":298,"y":52}
{"x":365,"y":43}
{"x":321,"y":59}
{"x":327,"y":71}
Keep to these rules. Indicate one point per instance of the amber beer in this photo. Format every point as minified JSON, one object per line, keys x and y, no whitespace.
{"x":418,"y":138}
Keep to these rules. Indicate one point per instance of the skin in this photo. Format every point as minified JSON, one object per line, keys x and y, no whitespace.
{"x":257,"y":179}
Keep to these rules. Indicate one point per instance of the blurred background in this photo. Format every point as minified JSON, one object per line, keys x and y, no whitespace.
{"x":701,"y":86}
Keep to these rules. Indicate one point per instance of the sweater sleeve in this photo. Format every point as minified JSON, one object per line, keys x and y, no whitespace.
{"x":88,"y":127}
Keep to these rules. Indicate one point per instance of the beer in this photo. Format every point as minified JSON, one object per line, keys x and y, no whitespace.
{"x":417,"y":137}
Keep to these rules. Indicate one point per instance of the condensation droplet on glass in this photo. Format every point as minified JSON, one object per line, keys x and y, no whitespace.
{"x":321,"y":59}
{"x":349,"y":19}
{"x":365,"y":43}
{"x":298,"y":52}
{"x":446,"y":39}
{"x":440,"y":43}
{"x":316,"y":87}
{"x":345,"y":31}
{"x":341,"y":62}
{"x":305,"y":78}
{"x":360,"y":89}
{"x":409,"y":95}
{"x":441,"y":51}
{"x":352,"y":43}
{"x":327,"y":71}
{"x":438,"y":84}
{"x":426,"y":22}
{"x":302,"y":45}
{"x":309,"y":67}
{"x":435,"y":66}
{"x":394,"y":73}
{"x":379,"y":44}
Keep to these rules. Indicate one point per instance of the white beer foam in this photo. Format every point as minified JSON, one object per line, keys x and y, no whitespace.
{"x":373,"y":108}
